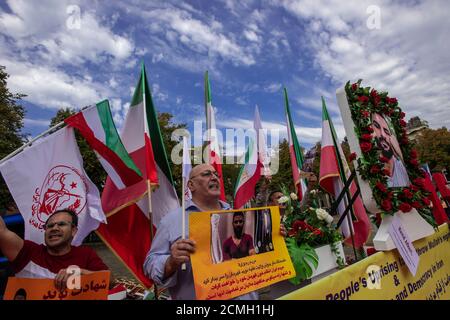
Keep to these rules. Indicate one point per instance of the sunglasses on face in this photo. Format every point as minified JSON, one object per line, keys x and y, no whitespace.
{"x":207,"y":174}
{"x":60,"y":224}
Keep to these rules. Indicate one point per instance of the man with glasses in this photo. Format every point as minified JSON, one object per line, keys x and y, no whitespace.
{"x":169,"y":251}
{"x":31,"y":260}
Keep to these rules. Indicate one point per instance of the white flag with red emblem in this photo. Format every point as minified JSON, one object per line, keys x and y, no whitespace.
{"x":49,"y":176}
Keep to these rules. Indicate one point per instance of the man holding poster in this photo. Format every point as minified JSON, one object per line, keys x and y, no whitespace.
{"x":52,"y":260}
{"x":169,"y":251}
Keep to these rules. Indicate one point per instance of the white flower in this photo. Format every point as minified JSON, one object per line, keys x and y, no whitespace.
{"x":329,"y":219}
{"x":294,"y":196}
{"x":324,"y":215}
{"x":313,"y":192}
{"x":283,"y":199}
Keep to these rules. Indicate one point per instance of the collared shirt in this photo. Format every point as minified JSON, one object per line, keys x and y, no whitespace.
{"x":181,"y":283}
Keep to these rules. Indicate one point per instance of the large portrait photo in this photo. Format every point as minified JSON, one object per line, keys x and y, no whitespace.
{"x":387,"y":142}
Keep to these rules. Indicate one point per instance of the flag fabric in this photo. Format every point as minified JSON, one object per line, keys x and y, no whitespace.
{"x":128,"y":232}
{"x":214,"y":157}
{"x":250,"y":172}
{"x":187,"y":167}
{"x":96,"y":125}
{"x":262,"y":145}
{"x":295,"y":152}
{"x":49,"y":176}
{"x":334,"y":171}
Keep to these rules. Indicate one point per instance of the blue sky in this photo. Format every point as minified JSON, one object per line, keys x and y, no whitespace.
{"x":251,"y":49}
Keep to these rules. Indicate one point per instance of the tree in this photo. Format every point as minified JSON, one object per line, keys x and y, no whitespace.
{"x":167,"y":127}
{"x":284,"y":174}
{"x":433,"y":147}
{"x":11,"y":124}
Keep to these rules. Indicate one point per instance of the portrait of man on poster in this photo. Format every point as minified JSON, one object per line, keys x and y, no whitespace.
{"x":387,"y":141}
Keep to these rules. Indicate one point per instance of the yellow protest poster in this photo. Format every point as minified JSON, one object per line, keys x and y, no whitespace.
{"x":237,"y":252}
{"x":385,"y":276}
{"x":93,"y":286}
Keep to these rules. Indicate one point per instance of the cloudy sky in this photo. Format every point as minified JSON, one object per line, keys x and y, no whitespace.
{"x":75,"y":53}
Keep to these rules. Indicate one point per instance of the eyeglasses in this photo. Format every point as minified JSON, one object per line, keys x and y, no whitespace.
{"x":59,"y":224}
{"x":207,"y":174}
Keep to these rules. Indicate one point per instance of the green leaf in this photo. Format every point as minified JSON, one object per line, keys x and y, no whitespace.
{"x":304,"y":258}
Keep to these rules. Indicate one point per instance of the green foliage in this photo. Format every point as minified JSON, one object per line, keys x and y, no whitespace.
{"x":167,"y":127}
{"x":11,"y":124}
{"x":433,"y":146}
{"x":304,"y":258}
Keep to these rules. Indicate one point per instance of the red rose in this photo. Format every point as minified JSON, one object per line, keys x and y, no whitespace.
{"x":404,"y":141}
{"x":386,"y":172}
{"x":386,"y":205}
{"x":381,"y":187}
{"x":416,"y":204}
{"x":402,"y":123}
{"x":366,"y":136}
{"x":389,"y":195}
{"x":373,"y":93}
{"x":405,"y":207}
{"x":365,"y":146}
{"x":369,"y":129}
{"x":402,"y":115}
{"x":375,"y":169}
{"x":354,"y":86}
{"x":371,"y":251}
{"x":407,"y":193}
{"x":393,"y":100}
{"x":418,"y":181}
{"x":363,"y":99}
{"x":352,"y":157}
{"x":426,"y":201}
{"x":365,"y":114}
{"x":413,"y":154}
{"x":414,"y":162}
{"x":390,"y":112}
{"x":384,"y":159}
{"x":317,"y":232}
{"x":414,"y":188}
{"x":378,"y":218}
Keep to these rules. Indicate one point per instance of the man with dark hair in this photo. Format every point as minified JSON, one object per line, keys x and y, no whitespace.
{"x":240,"y":244}
{"x":390,"y":149}
{"x":31,"y":260}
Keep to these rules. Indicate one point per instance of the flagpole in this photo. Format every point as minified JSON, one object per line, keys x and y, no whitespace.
{"x":12,"y":154}
{"x":149,"y":188}
{"x":183,"y":215}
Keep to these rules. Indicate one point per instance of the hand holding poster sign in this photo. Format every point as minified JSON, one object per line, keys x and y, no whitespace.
{"x":251,"y":254}
{"x":94,"y":286}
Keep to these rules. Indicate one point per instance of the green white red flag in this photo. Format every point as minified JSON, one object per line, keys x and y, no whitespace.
{"x":214,"y":156}
{"x":294,"y":151}
{"x":128,"y":231}
{"x":334,"y":171}
{"x":250,"y":172}
{"x":96,"y":125}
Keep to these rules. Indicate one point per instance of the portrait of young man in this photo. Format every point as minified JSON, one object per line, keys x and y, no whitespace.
{"x":387,"y":141}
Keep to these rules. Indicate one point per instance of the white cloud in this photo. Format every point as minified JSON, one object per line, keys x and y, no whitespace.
{"x":42,"y":31}
{"x":158,"y":94}
{"x":273,"y":87}
{"x":51,"y":88}
{"x":37,"y":122}
{"x":199,"y":36}
{"x":408,"y":56}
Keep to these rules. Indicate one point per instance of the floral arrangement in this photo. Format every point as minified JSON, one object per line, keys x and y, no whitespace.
{"x":363,"y":102}
{"x":307,"y":229}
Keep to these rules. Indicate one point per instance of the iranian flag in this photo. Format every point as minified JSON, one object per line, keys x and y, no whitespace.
{"x":213,"y":150}
{"x":128,"y":232}
{"x":334,"y":171}
{"x":295,"y":152}
{"x":96,"y":125}
{"x":250,"y":171}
